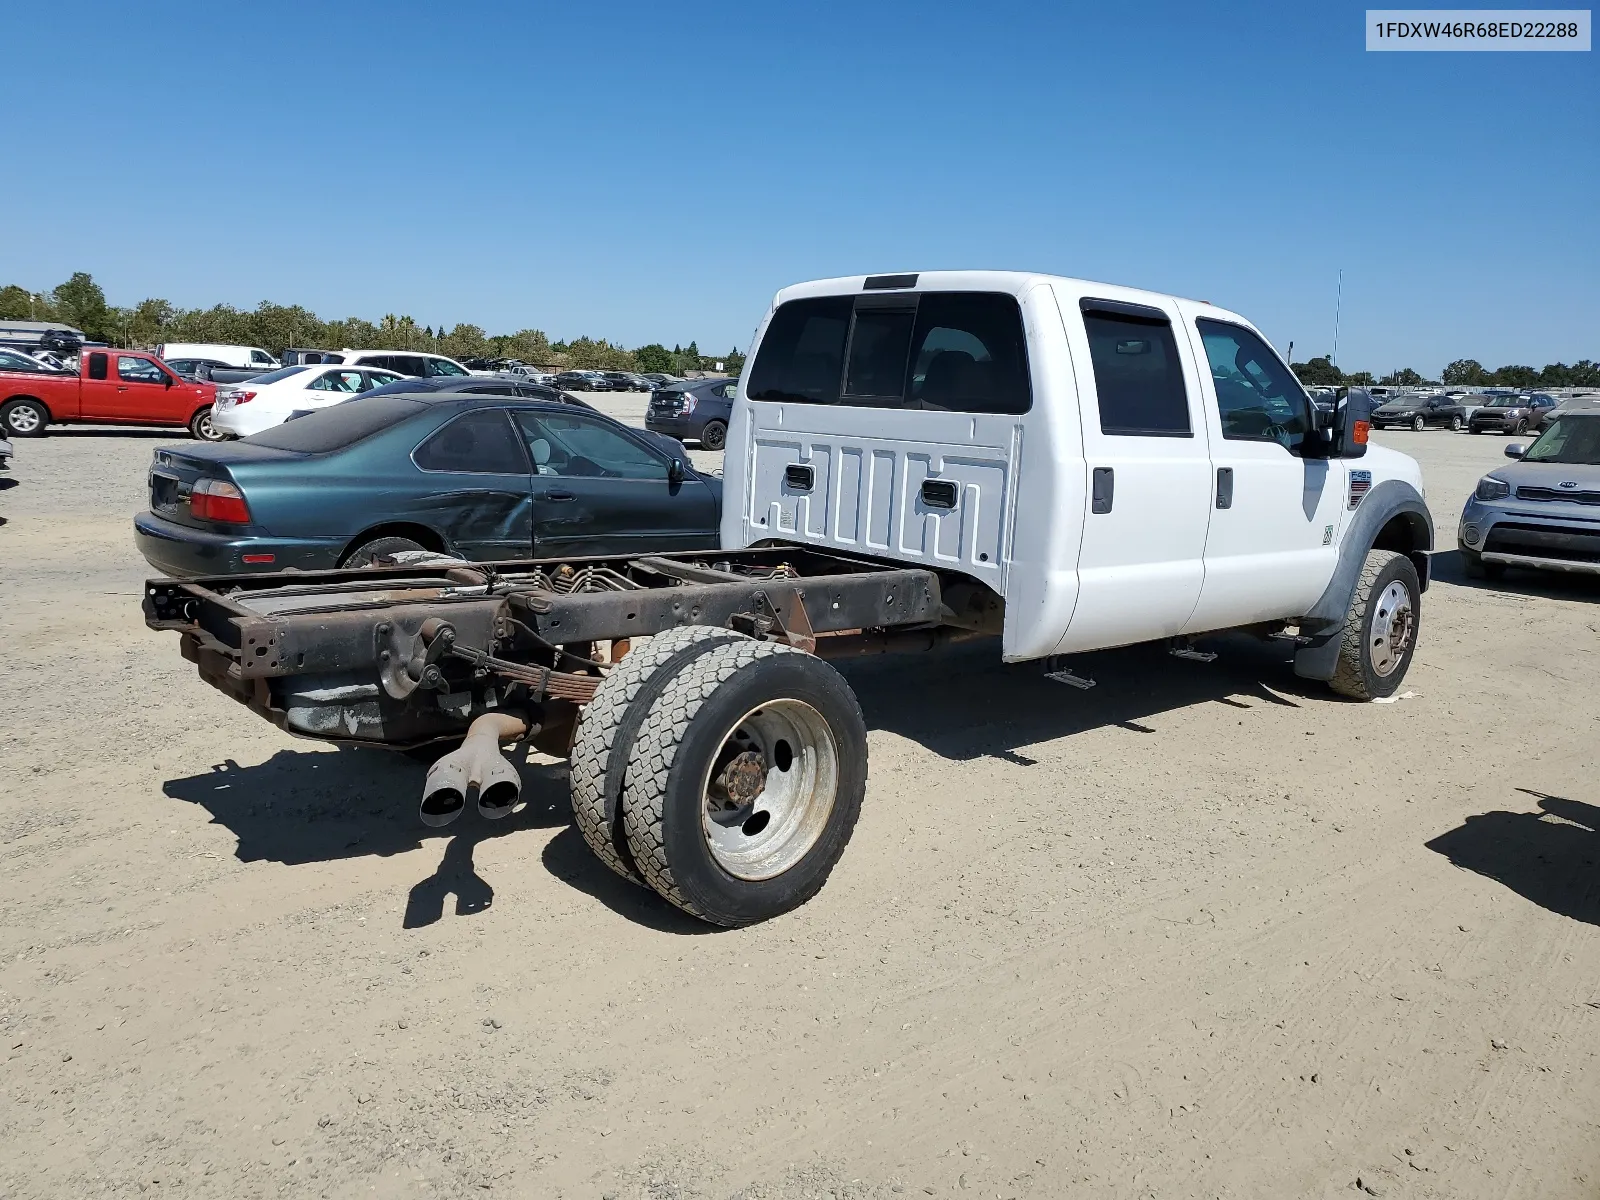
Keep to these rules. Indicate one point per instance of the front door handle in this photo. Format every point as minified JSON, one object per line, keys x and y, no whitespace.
{"x":1104,"y":490}
{"x":1224,"y":487}
{"x":556,"y":496}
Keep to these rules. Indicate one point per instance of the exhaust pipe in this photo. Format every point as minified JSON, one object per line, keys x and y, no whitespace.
{"x":476,"y":766}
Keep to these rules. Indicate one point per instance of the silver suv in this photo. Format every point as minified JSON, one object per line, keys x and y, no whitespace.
{"x":1543,"y":511}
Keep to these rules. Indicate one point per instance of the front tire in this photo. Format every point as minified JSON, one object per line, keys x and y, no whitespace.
{"x":745,"y":785}
{"x":26,"y":417}
{"x":1418,"y":424}
{"x":714,"y":436}
{"x":1521,"y":427}
{"x":1380,"y":629}
{"x":202,"y":429}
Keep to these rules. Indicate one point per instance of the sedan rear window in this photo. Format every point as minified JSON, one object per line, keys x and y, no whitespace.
{"x":337,"y":427}
{"x":280,"y":373}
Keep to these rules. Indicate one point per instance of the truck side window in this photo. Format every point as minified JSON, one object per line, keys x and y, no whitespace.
{"x":138,"y":370}
{"x":802,"y":355}
{"x":97,"y":366}
{"x":1137,"y":376}
{"x":1257,"y":398}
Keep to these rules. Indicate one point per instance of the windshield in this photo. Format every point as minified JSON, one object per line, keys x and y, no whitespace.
{"x":275,"y":376}
{"x":1504,"y":402}
{"x":1571,"y":441}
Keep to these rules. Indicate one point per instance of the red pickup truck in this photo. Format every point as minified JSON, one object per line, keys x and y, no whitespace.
{"x":112,"y":387}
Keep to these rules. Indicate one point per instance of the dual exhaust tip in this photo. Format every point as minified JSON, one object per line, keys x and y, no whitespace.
{"x":476,"y":769}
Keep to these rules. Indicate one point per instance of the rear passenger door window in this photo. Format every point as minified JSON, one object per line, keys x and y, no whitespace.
{"x":1138,"y":376}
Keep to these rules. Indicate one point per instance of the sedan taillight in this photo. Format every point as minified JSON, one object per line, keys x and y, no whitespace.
{"x":219,"y":500}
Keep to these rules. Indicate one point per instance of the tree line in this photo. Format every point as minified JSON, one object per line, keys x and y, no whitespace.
{"x":1464,"y":372}
{"x":81,"y":303}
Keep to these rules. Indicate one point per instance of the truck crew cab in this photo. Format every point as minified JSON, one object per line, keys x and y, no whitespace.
{"x":912,"y":460}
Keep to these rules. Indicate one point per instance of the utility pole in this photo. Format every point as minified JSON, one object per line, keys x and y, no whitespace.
{"x":1338,"y":307}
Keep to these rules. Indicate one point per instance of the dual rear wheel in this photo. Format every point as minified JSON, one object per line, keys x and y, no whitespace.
{"x":724,"y":773}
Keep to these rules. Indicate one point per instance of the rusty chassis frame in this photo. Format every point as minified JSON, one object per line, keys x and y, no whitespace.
{"x":407,"y":655}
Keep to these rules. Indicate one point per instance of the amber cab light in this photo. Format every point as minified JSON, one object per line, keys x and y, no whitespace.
{"x":1363,"y":428}
{"x":219,"y":500}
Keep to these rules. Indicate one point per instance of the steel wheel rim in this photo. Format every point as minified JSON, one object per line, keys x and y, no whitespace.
{"x":24,"y":418}
{"x":770,"y":789}
{"x":1393,"y":624}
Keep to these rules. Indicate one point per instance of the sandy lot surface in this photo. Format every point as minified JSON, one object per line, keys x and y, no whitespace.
{"x":1204,"y":931}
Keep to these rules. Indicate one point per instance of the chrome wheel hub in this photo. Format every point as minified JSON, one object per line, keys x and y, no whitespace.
{"x":1393,"y":626}
{"x":770,"y":790}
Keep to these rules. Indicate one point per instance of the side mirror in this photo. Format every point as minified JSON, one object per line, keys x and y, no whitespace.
{"x":1516,"y":450}
{"x":674,"y":471}
{"x":1350,"y":427}
{"x":166,"y":379}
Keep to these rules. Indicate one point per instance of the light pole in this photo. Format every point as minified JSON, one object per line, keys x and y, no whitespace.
{"x":1338,"y":307}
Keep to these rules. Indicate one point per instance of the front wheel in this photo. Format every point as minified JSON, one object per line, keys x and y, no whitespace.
{"x":1418,"y":424}
{"x":202,"y":429}
{"x":24,"y":418}
{"x":714,"y":436}
{"x":1380,"y":629}
{"x":1520,"y":427}
{"x":745,"y":782}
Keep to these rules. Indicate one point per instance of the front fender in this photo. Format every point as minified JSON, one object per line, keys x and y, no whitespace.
{"x":1388,"y":501}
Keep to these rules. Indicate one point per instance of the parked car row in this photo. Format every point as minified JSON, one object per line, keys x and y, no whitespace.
{"x":1507,"y":412}
{"x":613,"y":381}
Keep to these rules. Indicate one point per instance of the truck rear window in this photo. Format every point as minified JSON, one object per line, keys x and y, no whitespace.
{"x":940,"y":351}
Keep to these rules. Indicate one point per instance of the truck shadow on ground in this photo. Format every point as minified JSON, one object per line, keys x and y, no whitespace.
{"x":302,"y":807}
{"x":964,"y":703}
{"x":305,"y":806}
{"x":1551,"y":857}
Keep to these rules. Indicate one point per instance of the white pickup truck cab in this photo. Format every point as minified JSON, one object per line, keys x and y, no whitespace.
{"x":1116,"y":465}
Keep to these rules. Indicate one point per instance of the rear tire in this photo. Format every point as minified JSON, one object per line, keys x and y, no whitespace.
{"x":1380,"y":630}
{"x":26,"y":417}
{"x":746,"y":782}
{"x":363,"y":555}
{"x":714,"y":436}
{"x":610,"y":725}
{"x":1455,"y":424}
{"x":201,"y":428}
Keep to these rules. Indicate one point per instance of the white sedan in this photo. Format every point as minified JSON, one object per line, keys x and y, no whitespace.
{"x":269,"y":399}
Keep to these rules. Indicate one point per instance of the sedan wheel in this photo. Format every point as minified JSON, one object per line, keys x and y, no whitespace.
{"x":1418,"y":424}
{"x":1455,"y":424}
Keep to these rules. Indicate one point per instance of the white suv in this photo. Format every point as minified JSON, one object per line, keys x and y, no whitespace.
{"x":413,"y":363}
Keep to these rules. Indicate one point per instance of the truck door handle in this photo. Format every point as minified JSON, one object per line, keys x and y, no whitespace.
{"x":556,"y":496}
{"x":1104,"y":490}
{"x":939,"y":493}
{"x":1224,"y":487}
{"x":799,"y":476}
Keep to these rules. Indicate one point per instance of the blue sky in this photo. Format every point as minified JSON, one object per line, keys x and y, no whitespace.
{"x":652,"y":172}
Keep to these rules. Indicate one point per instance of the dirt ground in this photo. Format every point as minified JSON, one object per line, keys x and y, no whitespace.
{"x":1203,"y":931}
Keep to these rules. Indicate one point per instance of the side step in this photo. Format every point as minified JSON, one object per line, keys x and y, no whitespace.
{"x":1056,"y":669}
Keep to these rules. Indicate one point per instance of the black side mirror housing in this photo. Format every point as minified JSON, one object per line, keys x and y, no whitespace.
{"x":1351,"y":428}
{"x":1516,"y":450}
{"x":675,"y":470}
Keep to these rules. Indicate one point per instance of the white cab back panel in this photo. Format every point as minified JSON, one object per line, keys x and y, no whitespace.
{"x":866,"y":491}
